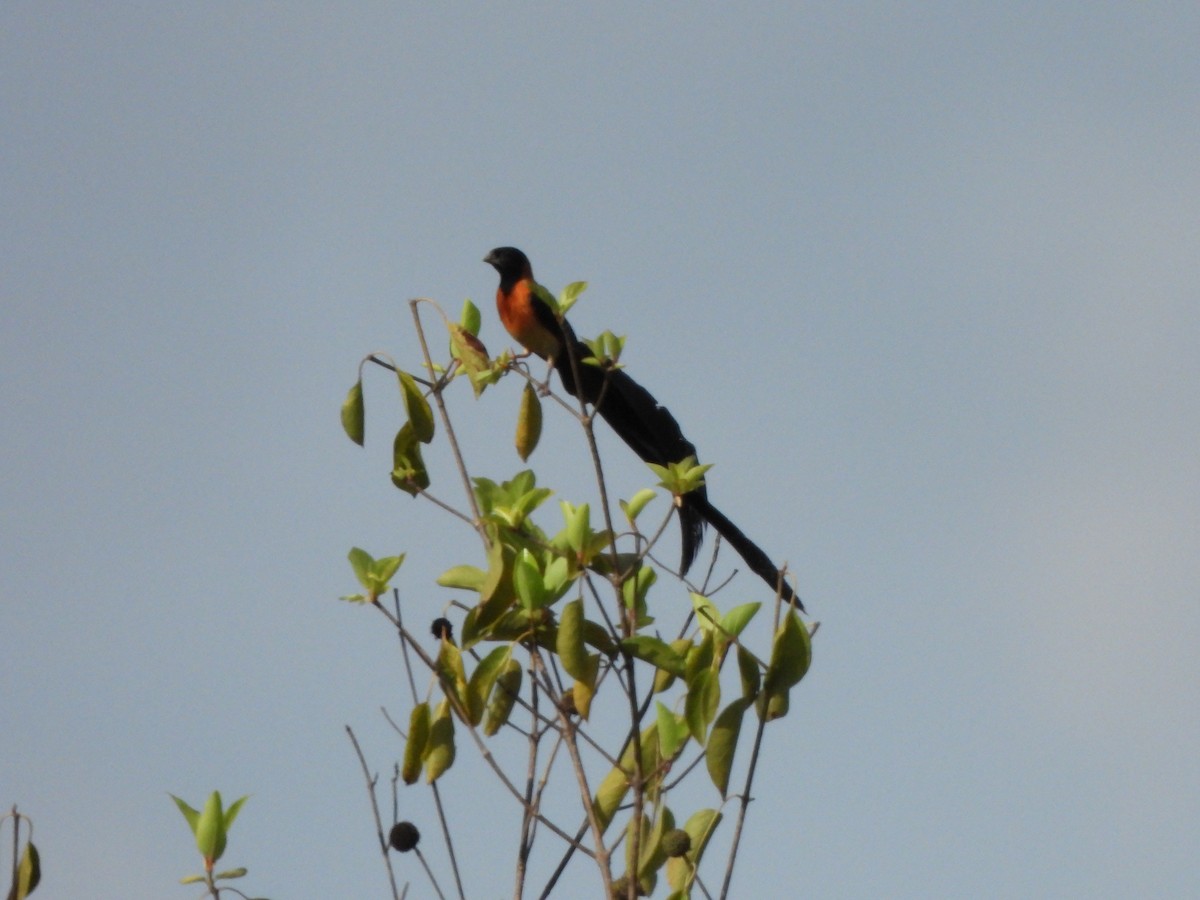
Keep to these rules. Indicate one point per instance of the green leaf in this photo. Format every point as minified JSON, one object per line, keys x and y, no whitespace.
{"x":408,"y":468}
{"x":579,"y":526}
{"x":681,"y":477}
{"x":483,"y":679}
{"x":699,"y":656}
{"x":472,"y":355}
{"x":569,"y":295}
{"x":735,"y":621}
{"x":232,"y":873}
{"x":192,"y":815}
{"x":557,"y":577}
{"x":231,"y":813}
{"x":527,"y":581}
{"x":494,"y":578}
{"x":210,"y":830}
{"x":439,"y":755}
{"x":700,"y":705}
{"x":529,"y":422}
{"x":504,"y":695}
{"x":28,"y":873}
{"x":653,"y":853}
{"x":634,"y":506}
{"x":354,"y":414}
{"x":451,"y":674}
{"x":609,"y":794}
{"x":750,"y":671}
{"x":470,"y":319}
{"x":415,"y":743}
{"x":584,"y":688}
{"x":656,"y":652}
{"x":191,"y":879}
{"x":707,"y":614}
{"x":663,"y":679}
{"x":681,"y":870}
{"x":791,"y":655}
{"x":718,"y":755}
{"x":384,"y":569}
{"x":569,"y":643}
{"x":635,"y":588}
{"x":672,"y":731}
{"x":420,"y":416}
{"x":363,"y":563}
{"x":774,"y":704}
{"x":467,"y":578}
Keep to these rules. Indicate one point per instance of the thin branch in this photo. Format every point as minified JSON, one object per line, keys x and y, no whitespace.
{"x":383,"y":841}
{"x":429,"y":872}
{"x":437,"y":795}
{"x":445,"y":416}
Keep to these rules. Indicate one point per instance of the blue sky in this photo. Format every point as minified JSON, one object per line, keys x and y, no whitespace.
{"x":921,"y":282}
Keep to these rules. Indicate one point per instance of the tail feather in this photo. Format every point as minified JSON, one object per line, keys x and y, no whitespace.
{"x":758,"y":561}
{"x":653,"y":434}
{"x":641,"y":422}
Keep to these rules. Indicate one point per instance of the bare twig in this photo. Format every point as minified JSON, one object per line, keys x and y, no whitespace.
{"x":429,"y":872}
{"x":445,"y":416}
{"x":371,"y":780}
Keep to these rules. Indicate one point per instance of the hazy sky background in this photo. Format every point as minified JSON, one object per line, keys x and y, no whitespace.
{"x":923,"y":283}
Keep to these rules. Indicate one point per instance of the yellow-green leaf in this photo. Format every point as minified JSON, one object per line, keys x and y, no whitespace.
{"x":699,"y":656}
{"x":681,"y":870}
{"x":451,"y":674}
{"x":700,"y":705}
{"x":354,"y":414}
{"x":414,"y":745}
{"x":663,"y":678}
{"x":707,"y":614}
{"x":467,"y":578}
{"x":655,"y":651}
{"x":570,"y":640}
{"x":585,"y":687}
{"x":750,"y":672}
{"x":791,"y":654}
{"x":614,"y":785}
{"x":472,"y":355}
{"x":420,"y":416}
{"x":439,"y":755}
{"x":504,"y":695}
{"x":470,"y":318}
{"x":735,"y":621}
{"x":29,"y":873}
{"x":192,"y":815}
{"x":672,"y":730}
{"x":635,"y":504}
{"x":529,"y":422}
{"x":408,"y":468}
{"x":527,"y":581}
{"x":362,"y":563}
{"x":483,"y":679}
{"x":718,"y":755}
{"x":210,"y":830}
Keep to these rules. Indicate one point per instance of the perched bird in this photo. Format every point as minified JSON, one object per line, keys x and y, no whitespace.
{"x":638,"y":419}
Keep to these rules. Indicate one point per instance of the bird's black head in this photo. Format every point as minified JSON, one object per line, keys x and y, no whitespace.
{"x":511,"y":263}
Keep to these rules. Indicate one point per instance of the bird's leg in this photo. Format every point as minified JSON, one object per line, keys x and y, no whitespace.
{"x":543,"y":387}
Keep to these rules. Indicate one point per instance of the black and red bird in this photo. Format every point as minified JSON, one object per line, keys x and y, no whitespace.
{"x":638,"y":419}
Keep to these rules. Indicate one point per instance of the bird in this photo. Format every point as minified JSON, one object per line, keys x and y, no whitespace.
{"x":644,"y":424}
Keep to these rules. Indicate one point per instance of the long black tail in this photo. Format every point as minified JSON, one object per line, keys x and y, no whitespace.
{"x":760,"y":564}
{"x":653,"y":434}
